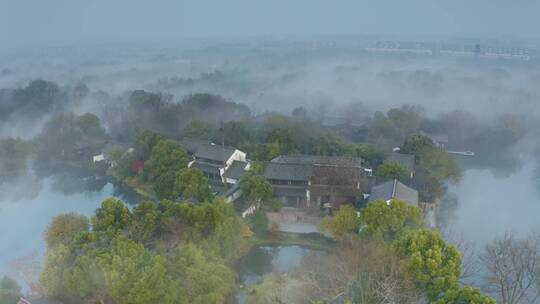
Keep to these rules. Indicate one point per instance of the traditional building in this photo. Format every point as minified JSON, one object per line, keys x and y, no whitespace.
{"x":213,"y":160}
{"x":406,"y":160}
{"x":316,"y":181}
{"x":394,"y":189}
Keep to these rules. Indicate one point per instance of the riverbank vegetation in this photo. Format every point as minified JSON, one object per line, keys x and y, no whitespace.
{"x":163,"y":252}
{"x":384,"y":256}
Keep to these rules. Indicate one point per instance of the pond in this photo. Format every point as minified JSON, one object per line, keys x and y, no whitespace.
{"x":25,"y":216}
{"x":265,"y":261}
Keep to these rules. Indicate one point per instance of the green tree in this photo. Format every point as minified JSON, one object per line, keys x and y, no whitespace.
{"x":154,"y":285}
{"x":145,"y":142}
{"x":203,"y":279}
{"x":145,"y":222}
{"x":57,"y":265}
{"x":64,"y":228}
{"x":199,"y":129}
{"x":417,"y":145}
{"x":392,"y":170}
{"x":435,"y":265}
{"x":344,"y":223}
{"x":465,"y":295}
{"x":90,"y":126}
{"x":14,"y":154}
{"x":389,"y":220}
{"x":255,"y":187}
{"x":166,"y":159}
{"x":259,"y":223}
{"x":433,"y":169}
{"x":85,"y":278}
{"x":10,"y":291}
{"x":191,"y":184}
{"x":111,"y":216}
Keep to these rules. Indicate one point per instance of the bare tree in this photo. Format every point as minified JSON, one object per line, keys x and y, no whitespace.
{"x":470,"y":266}
{"x":28,"y":268}
{"x":513,"y":268}
{"x":363,"y":273}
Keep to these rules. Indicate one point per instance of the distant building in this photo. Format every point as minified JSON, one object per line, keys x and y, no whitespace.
{"x":394,"y":189}
{"x":440,"y":140}
{"x":98,"y":158}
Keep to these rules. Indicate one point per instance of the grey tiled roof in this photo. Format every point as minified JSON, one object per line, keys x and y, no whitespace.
{"x":394,"y":189}
{"x":319,"y":160}
{"x":236,"y":169}
{"x":281,"y":171}
{"x":406,"y":160}
{"x":214,"y":152}
{"x":206,"y":168}
{"x":191,"y":145}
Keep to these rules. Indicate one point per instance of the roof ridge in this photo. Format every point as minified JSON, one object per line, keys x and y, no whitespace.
{"x":394,"y":188}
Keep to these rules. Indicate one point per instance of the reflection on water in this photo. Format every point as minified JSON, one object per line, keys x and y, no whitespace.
{"x":263,"y":261}
{"x":24,"y":217}
{"x":488,"y":206}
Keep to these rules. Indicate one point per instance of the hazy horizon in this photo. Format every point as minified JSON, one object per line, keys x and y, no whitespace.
{"x":32,"y":23}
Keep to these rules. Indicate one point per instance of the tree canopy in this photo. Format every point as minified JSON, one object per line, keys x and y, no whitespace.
{"x":392,"y":170}
{"x":255,"y":187}
{"x":388,"y":221}
{"x":166,"y":160}
{"x":344,"y":223}
{"x":192,"y":185}
{"x":165,"y":252}
{"x":10,"y":291}
{"x":435,"y":265}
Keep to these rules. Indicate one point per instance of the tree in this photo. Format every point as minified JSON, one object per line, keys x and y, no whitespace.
{"x":85,"y":278}
{"x":203,"y":279}
{"x":10,"y":291}
{"x":255,"y":187}
{"x":417,"y":145}
{"x":111,"y":216}
{"x":145,"y":223}
{"x":259,"y":223}
{"x":465,"y":295}
{"x":90,"y":126}
{"x":392,"y":170}
{"x":191,"y":184}
{"x":300,"y":113}
{"x":145,"y":142}
{"x":57,"y":265}
{"x":166,"y":156}
{"x":435,"y":265}
{"x":362,"y":271}
{"x":433,"y":169}
{"x":199,"y":129}
{"x":344,"y":223}
{"x":122,"y":265}
{"x":14,"y":154}
{"x":166,"y":159}
{"x":513,"y":268}
{"x":64,"y":228}
{"x":38,"y":98}
{"x":389,"y":220}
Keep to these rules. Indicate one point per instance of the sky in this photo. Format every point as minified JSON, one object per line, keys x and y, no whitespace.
{"x":27,"y":23}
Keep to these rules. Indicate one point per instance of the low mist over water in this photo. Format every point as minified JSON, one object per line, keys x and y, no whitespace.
{"x":489,"y":206}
